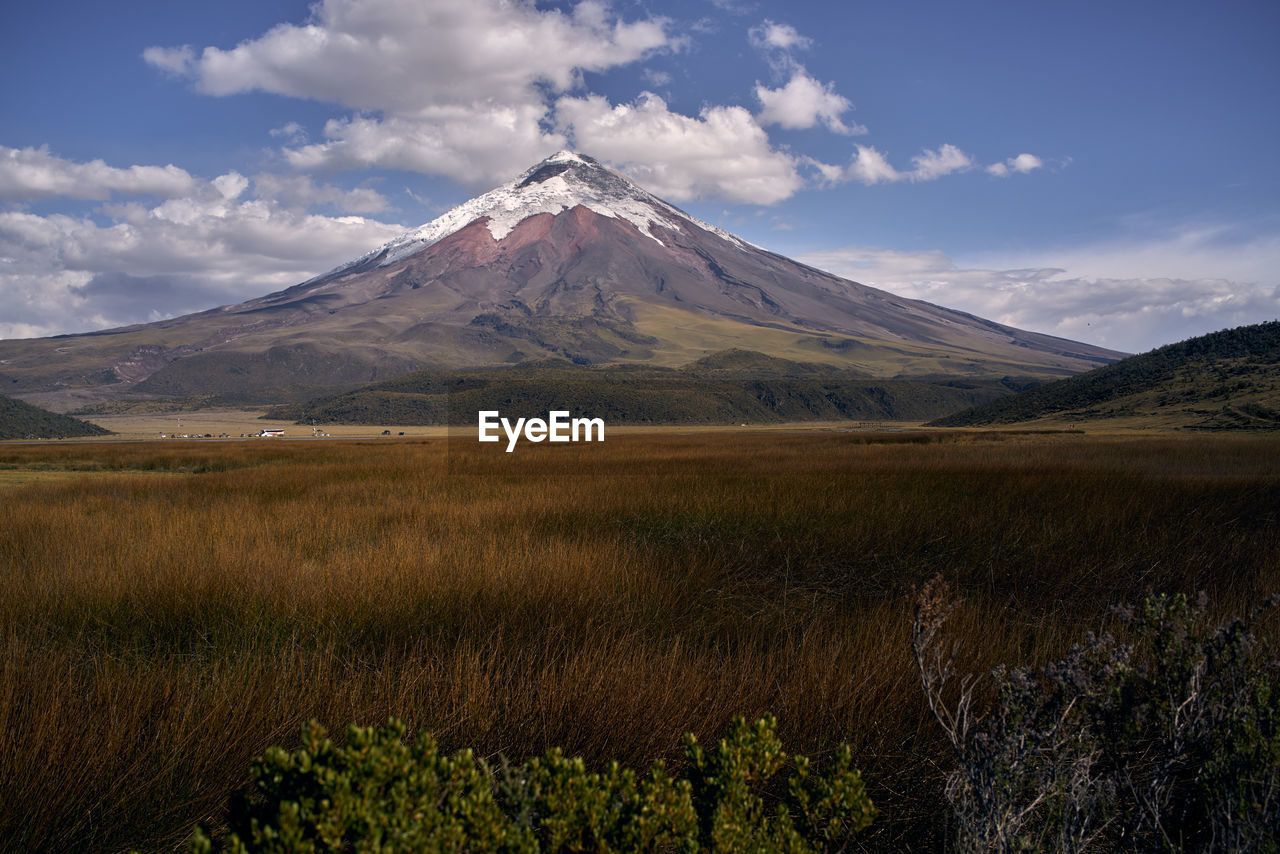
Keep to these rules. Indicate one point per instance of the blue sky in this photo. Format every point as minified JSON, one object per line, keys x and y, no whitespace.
{"x":1099,"y":170}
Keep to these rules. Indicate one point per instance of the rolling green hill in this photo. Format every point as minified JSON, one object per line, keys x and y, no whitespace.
{"x":19,"y":420}
{"x":727,"y":387}
{"x":1221,"y":381}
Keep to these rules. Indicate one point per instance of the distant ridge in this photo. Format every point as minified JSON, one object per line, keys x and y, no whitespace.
{"x":19,"y":420}
{"x":729,"y":387}
{"x":1220,"y":381}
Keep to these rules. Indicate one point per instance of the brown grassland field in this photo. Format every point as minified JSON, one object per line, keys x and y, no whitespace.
{"x":168,"y":610}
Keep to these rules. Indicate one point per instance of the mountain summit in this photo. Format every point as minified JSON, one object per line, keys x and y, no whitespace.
{"x":562,"y":182}
{"x":570,"y":260}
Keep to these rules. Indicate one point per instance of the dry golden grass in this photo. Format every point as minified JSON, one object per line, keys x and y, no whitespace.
{"x":159,"y":631}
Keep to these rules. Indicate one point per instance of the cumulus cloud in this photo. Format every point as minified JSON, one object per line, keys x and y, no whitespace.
{"x":1023,"y":163}
{"x":869,"y":166}
{"x":477,"y":145}
{"x":722,"y":152}
{"x":774,"y":36}
{"x":476,"y":90}
{"x":27,"y":174}
{"x":401,"y":56}
{"x":452,"y":87}
{"x":301,"y":191}
{"x":177,"y":61}
{"x":1120,"y":296}
{"x":804,"y":102}
{"x":62,"y":273}
{"x":231,"y":185}
{"x":934,"y":164}
{"x":827,"y":174}
{"x":291,"y":131}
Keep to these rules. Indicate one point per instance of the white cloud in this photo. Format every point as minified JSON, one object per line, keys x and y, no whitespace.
{"x":1191,"y":251}
{"x":723,"y":152}
{"x":1118,"y":296}
{"x":476,"y":90}
{"x":478,"y":145}
{"x":657,"y":78}
{"x":829,"y":174}
{"x":231,"y":185}
{"x":804,"y":102}
{"x":934,"y":164}
{"x":300,"y":191}
{"x":33,"y":173}
{"x":870,"y":166}
{"x":291,"y":131}
{"x":775,"y":36}
{"x":401,"y":56}
{"x":450,"y":87}
{"x":62,"y":273}
{"x":172,"y":60}
{"x":1023,"y":163}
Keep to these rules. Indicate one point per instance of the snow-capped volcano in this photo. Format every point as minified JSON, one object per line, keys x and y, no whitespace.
{"x":570,"y":260}
{"x":561,"y":182}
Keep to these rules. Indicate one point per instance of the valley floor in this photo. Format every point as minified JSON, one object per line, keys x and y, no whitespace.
{"x":169,"y":609}
{"x":245,"y":423}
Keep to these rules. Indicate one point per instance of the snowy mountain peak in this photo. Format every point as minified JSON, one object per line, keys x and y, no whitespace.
{"x":560,"y":182}
{"x":564,"y":155}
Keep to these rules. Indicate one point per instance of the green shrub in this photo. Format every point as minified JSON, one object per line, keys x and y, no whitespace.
{"x":377,"y":793}
{"x":818,"y":811}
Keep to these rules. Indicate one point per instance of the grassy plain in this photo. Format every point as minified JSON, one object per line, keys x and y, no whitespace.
{"x":158,"y":631}
{"x":233,"y":422}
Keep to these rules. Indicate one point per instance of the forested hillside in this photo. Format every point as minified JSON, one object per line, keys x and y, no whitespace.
{"x":19,"y":420}
{"x":1224,"y":380}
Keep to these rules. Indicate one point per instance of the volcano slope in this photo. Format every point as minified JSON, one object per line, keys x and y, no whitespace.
{"x":570,"y":261}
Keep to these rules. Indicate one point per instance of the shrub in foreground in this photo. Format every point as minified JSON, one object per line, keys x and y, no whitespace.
{"x":379,"y":793}
{"x":1171,"y":743}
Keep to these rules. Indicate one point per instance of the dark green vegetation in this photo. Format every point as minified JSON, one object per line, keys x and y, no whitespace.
{"x":19,"y":420}
{"x":377,"y":793}
{"x":1222,"y":381}
{"x":160,"y":632}
{"x":728,"y":387}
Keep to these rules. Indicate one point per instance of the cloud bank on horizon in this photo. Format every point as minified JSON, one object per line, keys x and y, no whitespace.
{"x":714,"y":107}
